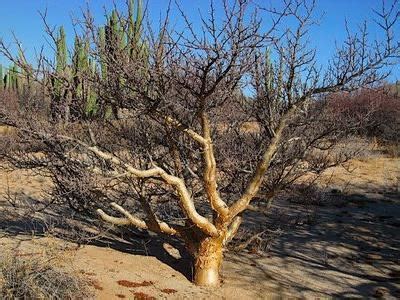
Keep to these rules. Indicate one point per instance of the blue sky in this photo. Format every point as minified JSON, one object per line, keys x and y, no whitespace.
{"x":22,"y":18}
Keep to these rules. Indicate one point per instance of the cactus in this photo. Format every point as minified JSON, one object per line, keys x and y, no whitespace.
{"x":13,"y":75}
{"x":61,"y":61}
{"x":80,"y":63}
{"x":135,"y":20}
{"x":83,"y":67}
{"x":25,"y":75}
{"x":102,"y":45}
{"x":114,"y":34}
{"x":119,"y":39}
{"x":61,"y":54}
{"x":279,"y":80}
{"x":7,"y":81}
{"x":57,"y":89}
{"x":273,"y":75}
{"x":91,"y":103}
{"x":269,"y":72}
{"x":79,"y":70}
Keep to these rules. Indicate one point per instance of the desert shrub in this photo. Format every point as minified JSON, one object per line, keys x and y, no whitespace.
{"x":31,"y":101}
{"x":9,"y":100}
{"x":392,"y":150}
{"x":37,"y":278}
{"x":255,"y":241}
{"x":376,"y":111}
{"x":306,"y":194}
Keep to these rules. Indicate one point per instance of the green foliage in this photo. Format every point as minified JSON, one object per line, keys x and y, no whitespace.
{"x":91,"y":104}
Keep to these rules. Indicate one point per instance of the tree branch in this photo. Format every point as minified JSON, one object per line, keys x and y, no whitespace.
{"x":255,"y":183}
{"x":131,"y":220}
{"x":210,"y":171}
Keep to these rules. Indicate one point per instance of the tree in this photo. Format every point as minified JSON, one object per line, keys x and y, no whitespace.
{"x":180,"y":152}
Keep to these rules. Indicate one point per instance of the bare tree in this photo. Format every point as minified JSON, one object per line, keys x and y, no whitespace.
{"x":180,"y":151}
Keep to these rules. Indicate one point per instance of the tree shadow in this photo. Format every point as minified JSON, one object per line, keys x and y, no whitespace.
{"x":350,"y":249}
{"x":64,"y":224}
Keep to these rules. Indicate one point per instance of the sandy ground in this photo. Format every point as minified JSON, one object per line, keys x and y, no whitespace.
{"x":347,"y":246}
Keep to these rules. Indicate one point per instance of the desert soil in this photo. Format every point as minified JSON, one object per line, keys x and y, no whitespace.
{"x":345,"y":245}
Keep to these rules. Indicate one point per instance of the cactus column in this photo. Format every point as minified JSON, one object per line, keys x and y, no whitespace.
{"x":59,"y":95}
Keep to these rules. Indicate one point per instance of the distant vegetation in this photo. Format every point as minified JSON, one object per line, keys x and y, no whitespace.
{"x":70,"y":81}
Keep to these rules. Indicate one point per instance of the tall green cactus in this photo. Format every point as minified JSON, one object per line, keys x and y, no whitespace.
{"x":268,"y":72}
{"x":61,"y":54}
{"x":13,"y":75}
{"x":24,"y":76}
{"x":135,"y":20}
{"x":59,"y":93}
{"x":91,"y":102}
{"x":7,"y":81}
{"x":83,"y":67}
{"x":279,"y":80}
{"x":120,"y":38}
{"x":102,"y":45}
{"x":79,"y":71}
{"x":80,"y":61}
{"x":114,"y":35}
{"x":61,"y":61}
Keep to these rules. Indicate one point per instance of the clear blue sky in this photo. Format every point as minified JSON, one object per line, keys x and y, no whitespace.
{"x":22,"y":18}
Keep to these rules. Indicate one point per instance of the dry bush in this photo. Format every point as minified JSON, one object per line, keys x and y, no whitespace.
{"x":36,"y":277}
{"x":376,"y":111}
{"x":391,"y":150}
{"x":306,"y":194}
{"x":255,"y":241}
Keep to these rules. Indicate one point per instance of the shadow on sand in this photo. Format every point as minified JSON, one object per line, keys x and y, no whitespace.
{"x":85,"y":230}
{"x":350,"y":249}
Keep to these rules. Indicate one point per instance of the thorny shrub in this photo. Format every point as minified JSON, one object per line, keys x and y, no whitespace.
{"x":36,"y":277}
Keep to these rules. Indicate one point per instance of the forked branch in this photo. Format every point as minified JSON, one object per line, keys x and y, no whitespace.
{"x":129,"y":219}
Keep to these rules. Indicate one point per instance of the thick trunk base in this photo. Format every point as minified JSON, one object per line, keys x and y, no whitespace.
{"x":208,"y":263}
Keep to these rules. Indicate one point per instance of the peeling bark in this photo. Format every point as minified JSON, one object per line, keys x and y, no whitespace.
{"x":208,"y":262}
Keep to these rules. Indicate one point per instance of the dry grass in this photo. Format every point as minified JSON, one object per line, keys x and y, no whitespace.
{"x":391,"y":150}
{"x":6,"y":130}
{"x":39,"y":275}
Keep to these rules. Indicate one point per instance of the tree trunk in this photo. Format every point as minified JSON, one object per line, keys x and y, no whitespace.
{"x":208,"y":262}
